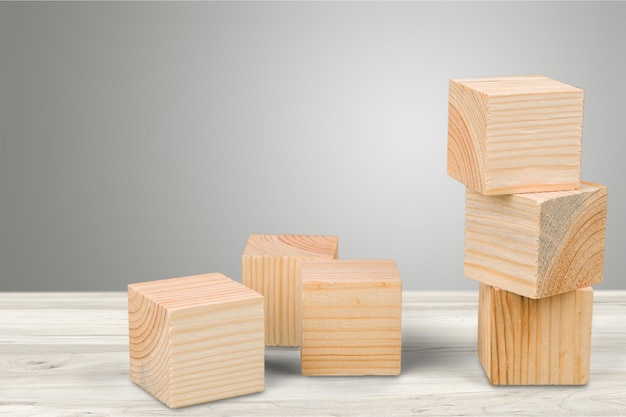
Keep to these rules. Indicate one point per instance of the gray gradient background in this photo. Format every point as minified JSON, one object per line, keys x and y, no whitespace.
{"x":148,"y":140}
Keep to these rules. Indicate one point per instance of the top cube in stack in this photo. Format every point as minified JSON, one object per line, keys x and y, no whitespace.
{"x":532,"y":227}
{"x":515,"y":134}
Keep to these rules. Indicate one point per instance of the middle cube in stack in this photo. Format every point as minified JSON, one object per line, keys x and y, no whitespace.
{"x":536,"y":244}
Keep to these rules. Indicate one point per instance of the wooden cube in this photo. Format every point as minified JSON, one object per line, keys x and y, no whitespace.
{"x":536,"y":244}
{"x":522,"y":341}
{"x":351,"y":317}
{"x":270,"y":266}
{"x":514,"y":134}
{"x":196,"y":339}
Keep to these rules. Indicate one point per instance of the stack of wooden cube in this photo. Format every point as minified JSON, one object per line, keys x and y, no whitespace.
{"x":534,"y":233}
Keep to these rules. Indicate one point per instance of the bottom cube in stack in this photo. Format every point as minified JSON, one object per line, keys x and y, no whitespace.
{"x":525,"y":341}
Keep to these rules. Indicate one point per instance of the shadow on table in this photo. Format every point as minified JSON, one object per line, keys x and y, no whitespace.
{"x":434,"y":349}
{"x":282,"y":361}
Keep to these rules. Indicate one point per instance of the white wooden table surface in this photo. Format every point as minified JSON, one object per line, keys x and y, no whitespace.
{"x":66,"y":354}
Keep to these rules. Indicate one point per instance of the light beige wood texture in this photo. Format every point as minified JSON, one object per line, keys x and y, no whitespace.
{"x":270,"y":266}
{"x":196,"y":339}
{"x":66,"y":354}
{"x":514,"y":134}
{"x":537,"y":244}
{"x":522,"y":341}
{"x":351,"y":317}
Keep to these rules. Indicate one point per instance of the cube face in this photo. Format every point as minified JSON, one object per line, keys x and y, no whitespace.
{"x":514,"y":134}
{"x":196,"y":339}
{"x":537,"y":244}
{"x":351,"y":318}
{"x":270,"y":266}
{"x":522,"y":341}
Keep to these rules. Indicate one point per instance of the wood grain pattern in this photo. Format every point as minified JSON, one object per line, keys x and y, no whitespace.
{"x":523,"y":341}
{"x":66,"y":354}
{"x":196,"y":339}
{"x":467,"y":126}
{"x":517,"y":134}
{"x":270,"y":266}
{"x":351,"y":317}
{"x":537,"y":244}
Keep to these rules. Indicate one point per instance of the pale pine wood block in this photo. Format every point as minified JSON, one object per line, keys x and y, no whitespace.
{"x":269,"y":266}
{"x":196,"y":339}
{"x":523,"y":341}
{"x":515,"y":134}
{"x":537,"y":244}
{"x":351,"y":317}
